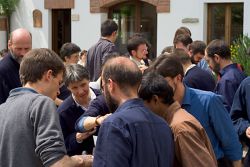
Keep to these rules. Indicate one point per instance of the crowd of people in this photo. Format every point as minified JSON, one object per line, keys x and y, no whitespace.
{"x":186,"y":108}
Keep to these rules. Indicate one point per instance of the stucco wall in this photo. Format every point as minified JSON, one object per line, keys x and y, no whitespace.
{"x":86,"y":31}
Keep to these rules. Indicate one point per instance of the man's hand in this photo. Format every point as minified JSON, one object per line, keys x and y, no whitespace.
{"x":82,"y":136}
{"x":248,"y":132}
{"x":102,"y":118}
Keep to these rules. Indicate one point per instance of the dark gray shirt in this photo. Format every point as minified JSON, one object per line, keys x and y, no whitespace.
{"x":30,"y":132}
{"x":96,"y":55}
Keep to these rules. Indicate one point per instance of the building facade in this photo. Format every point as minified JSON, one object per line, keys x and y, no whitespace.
{"x":53,"y":22}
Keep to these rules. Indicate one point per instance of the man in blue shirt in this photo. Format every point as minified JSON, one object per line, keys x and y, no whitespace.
{"x":218,"y":56}
{"x":240,"y":114}
{"x":205,"y":106}
{"x":132,"y":136}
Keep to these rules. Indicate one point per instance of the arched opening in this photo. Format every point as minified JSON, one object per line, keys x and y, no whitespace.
{"x":135,"y":17}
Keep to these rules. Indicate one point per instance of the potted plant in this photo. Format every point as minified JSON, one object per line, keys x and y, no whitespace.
{"x":240,"y":52}
{"x":7,"y":7}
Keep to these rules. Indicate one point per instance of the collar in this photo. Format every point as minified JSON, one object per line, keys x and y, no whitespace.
{"x":130,"y":103}
{"x":186,"y":99}
{"x":91,"y":95}
{"x":191,"y":66}
{"x":227,"y":68}
{"x":138,"y":63}
{"x":23,"y":89}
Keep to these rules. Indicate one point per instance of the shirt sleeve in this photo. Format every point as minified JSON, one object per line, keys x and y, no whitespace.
{"x":47,"y":131}
{"x":188,"y":144}
{"x":224,"y":130}
{"x":240,"y":110}
{"x":113,"y":147}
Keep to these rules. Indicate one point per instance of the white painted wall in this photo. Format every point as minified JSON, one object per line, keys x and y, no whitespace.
{"x":22,"y":18}
{"x":86,"y":31}
{"x":3,"y":44}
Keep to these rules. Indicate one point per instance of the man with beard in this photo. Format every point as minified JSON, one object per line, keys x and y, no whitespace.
{"x":132,"y":135}
{"x":19,"y":44}
{"x":218,"y":56}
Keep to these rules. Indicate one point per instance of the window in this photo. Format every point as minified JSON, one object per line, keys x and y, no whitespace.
{"x":225,"y":21}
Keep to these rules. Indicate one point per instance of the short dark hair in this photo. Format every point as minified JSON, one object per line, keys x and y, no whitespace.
{"x":108,"y":27}
{"x":155,"y":84}
{"x":125,"y":76}
{"x":38,"y":61}
{"x":75,"y":73}
{"x":182,"y":55}
{"x":197,"y":47}
{"x":183,"y":38}
{"x":167,"y":66}
{"x":218,"y":47}
{"x":68,"y":49}
{"x":134,"y":42}
{"x":167,"y":49}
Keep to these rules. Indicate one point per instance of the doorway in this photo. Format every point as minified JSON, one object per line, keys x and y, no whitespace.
{"x":61,"y":28}
{"x":135,"y":17}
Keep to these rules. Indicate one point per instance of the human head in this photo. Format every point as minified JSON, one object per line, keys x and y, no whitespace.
{"x":156,"y":92}
{"x":197,"y":51}
{"x":119,"y":74}
{"x":77,"y":81}
{"x":182,"y":30}
{"x":3,"y":53}
{"x":69,"y":53}
{"x":20,"y":43}
{"x":217,"y":51}
{"x":170,"y":67}
{"x":42,"y":65}
{"x":183,"y":56}
{"x":137,"y":48}
{"x":182,"y":41}
{"x":109,"y":29}
{"x":167,"y":50}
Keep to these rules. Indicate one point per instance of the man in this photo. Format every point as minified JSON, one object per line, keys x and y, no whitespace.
{"x":69,"y":53}
{"x":19,"y":44}
{"x":197,"y":51}
{"x":189,"y":136}
{"x":183,"y":41}
{"x":97,"y":53}
{"x":218,"y":56}
{"x":194,"y":76}
{"x":30,"y":131}
{"x":138,"y":50}
{"x":77,"y":81}
{"x":132,"y":135}
{"x":207,"y":107}
{"x":240,"y":114}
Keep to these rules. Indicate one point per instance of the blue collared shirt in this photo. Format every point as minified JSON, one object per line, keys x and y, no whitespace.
{"x":133,"y":136}
{"x":231,"y":77}
{"x":240,"y":111}
{"x":208,"y":108}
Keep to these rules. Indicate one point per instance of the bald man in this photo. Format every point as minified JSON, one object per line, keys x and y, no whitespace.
{"x":132,"y":135}
{"x":19,"y":44}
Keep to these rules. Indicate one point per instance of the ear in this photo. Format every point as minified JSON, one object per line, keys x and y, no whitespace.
{"x":111,"y":85}
{"x":155,"y":99}
{"x":178,"y":78}
{"x":133,"y":52}
{"x":9,"y":44}
{"x":48,"y":75}
{"x":217,"y":58}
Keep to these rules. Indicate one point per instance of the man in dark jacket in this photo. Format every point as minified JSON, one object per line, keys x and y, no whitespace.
{"x":97,"y":53}
{"x":19,"y":44}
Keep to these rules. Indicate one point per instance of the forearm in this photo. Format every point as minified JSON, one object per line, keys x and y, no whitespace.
{"x":89,"y":123}
{"x":237,"y":163}
{"x":67,"y":161}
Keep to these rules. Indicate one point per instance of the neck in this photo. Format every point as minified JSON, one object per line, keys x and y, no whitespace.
{"x":122,"y":97}
{"x":36,"y":86}
{"x":179,"y":92}
{"x":186,"y":66}
{"x":225,"y":62}
{"x":171,"y":111}
{"x":109,"y":38}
